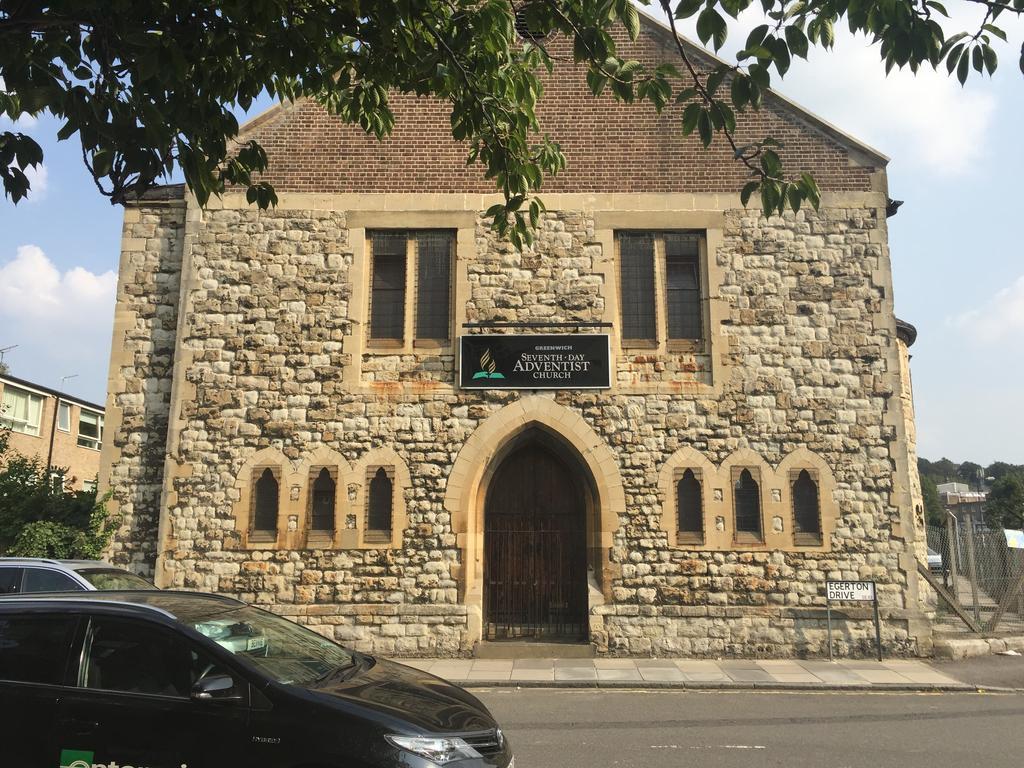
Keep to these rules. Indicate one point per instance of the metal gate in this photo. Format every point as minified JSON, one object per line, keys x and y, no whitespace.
{"x":535,"y":566}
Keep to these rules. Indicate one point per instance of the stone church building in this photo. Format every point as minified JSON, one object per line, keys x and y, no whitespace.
{"x":658,"y":431}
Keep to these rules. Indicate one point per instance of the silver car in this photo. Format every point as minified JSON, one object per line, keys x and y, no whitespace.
{"x":21,"y":575}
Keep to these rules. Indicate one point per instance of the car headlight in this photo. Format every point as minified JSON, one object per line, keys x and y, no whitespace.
{"x":437,"y":750}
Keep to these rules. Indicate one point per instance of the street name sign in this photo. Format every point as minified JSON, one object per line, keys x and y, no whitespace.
{"x":861,"y":591}
{"x":857,"y":592}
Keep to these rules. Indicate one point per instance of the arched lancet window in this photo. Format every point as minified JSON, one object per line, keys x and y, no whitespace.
{"x":747,"y":500}
{"x":379,"y":507}
{"x":265,"y":503}
{"x":806,"y":509}
{"x":321,"y":515}
{"x":689,"y":506}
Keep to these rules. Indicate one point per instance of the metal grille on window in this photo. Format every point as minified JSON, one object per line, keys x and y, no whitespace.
{"x":682,"y":277}
{"x":387,"y":302}
{"x":689,"y":504}
{"x":806,"y":512}
{"x":748,"y":504}
{"x":322,"y":513}
{"x":636,"y":264}
{"x":433,"y":285}
{"x":378,"y":510}
{"x":266,"y":497}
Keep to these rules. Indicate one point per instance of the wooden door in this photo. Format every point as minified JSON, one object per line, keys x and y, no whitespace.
{"x":535,"y":567}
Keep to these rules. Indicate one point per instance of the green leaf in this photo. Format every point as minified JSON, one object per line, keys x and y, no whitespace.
{"x":631,"y":20}
{"x":797,"y":41}
{"x":963,"y":68}
{"x":756,"y":36}
{"x":705,"y":128}
{"x":977,"y":59}
{"x":687,"y":8}
{"x":991,"y":60}
{"x":715,"y":79}
{"x":748,"y":189}
{"x":691,"y":115}
{"x":995,"y":31}
{"x":712,"y":27}
{"x":685,"y":95}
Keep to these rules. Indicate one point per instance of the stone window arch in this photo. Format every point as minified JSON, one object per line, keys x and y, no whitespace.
{"x":811,"y":530}
{"x":747,"y":505}
{"x":380,"y":504}
{"x":689,"y":507}
{"x":806,"y":507}
{"x":322,"y":501}
{"x":266,"y":503}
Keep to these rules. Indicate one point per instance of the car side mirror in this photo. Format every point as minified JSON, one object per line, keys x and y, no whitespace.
{"x":215,"y":688}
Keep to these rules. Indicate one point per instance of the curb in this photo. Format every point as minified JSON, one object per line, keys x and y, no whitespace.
{"x":735,"y":686}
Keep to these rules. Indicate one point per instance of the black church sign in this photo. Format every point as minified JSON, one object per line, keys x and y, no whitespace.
{"x":506,"y":361}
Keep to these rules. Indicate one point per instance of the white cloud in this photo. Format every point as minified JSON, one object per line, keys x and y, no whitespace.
{"x":32,"y":285}
{"x":60,"y":321}
{"x":1001,"y":317}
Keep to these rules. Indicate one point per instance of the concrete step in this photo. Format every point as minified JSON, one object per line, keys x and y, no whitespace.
{"x":529,"y":650}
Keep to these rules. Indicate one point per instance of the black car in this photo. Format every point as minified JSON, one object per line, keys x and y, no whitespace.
{"x":162,"y":679}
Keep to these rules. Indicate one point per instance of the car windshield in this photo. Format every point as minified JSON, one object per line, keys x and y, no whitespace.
{"x":113,"y":578}
{"x":285,"y":651}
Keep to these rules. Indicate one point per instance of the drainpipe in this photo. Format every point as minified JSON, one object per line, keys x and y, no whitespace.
{"x":53,"y":434}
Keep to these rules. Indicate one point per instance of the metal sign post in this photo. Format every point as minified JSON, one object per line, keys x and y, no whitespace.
{"x":854,"y":591}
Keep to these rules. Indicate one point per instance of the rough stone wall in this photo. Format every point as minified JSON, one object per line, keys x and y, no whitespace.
{"x":139,"y":387}
{"x":262,"y":357}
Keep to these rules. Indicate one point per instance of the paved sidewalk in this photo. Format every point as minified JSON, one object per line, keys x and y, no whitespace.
{"x":854,"y":674}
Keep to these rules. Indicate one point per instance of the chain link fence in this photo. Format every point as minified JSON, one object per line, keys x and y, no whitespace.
{"x":981,"y":574}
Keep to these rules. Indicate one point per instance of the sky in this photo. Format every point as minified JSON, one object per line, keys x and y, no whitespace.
{"x":957,"y":255}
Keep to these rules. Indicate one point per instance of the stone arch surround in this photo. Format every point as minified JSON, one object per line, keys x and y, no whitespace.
{"x":481,"y":454}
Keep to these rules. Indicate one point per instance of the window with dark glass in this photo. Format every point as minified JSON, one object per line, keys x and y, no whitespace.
{"x":387,"y":300}
{"x":321,"y":516}
{"x":431,"y":252}
{"x":131,"y":657}
{"x":682,"y":283}
{"x":45,"y":580}
{"x":636,"y":280}
{"x":34,"y":647}
{"x":266,"y":500}
{"x":806,"y":508}
{"x":433,"y":285}
{"x":380,"y":507}
{"x":10,"y":580}
{"x":689,"y":506}
{"x":747,"y":500}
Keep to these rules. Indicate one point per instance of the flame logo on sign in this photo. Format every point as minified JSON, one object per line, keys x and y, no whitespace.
{"x":488,"y":368}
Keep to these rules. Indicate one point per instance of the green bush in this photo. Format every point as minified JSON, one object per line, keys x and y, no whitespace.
{"x":40,"y":516}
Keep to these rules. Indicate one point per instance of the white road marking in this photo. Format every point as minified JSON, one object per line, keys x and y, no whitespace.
{"x":708,"y":746}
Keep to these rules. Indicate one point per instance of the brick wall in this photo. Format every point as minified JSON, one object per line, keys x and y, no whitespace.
{"x":610,"y":146}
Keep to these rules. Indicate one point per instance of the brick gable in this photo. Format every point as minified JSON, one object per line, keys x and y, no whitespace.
{"x":610,"y":146}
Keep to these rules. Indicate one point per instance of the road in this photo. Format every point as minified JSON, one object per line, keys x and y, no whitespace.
{"x":658,"y":729}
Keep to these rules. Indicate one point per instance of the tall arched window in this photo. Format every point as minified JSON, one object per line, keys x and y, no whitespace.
{"x":806,"y":508}
{"x":265,"y":503}
{"x":747,"y":501}
{"x":689,"y":508}
{"x":321,"y":513}
{"x":379,"y":507}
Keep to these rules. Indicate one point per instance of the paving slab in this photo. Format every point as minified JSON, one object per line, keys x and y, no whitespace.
{"x":661,"y":674}
{"x":621,"y":674}
{"x":741,"y":675}
{"x":575,"y":673}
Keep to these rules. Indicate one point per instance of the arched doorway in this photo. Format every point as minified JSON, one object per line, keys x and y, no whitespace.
{"x":535,"y":545}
